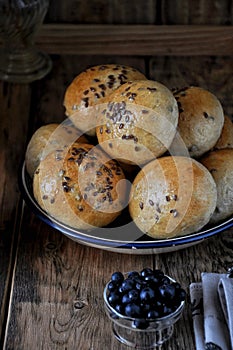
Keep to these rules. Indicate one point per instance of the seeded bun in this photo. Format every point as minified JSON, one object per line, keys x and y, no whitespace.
{"x":80,"y":187}
{"x":226,"y":137}
{"x":47,"y":138}
{"x":88,"y":89}
{"x":201,"y":119}
{"x":137,"y":122}
{"x":220,"y":165}
{"x":172,"y":196}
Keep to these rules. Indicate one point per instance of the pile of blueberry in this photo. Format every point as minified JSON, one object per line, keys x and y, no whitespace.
{"x":144,"y":296}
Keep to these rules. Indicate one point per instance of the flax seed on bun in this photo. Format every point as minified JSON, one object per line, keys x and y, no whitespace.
{"x":201,"y":119}
{"x":80,"y":187}
{"x":90,"y":87}
{"x":172,"y":196}
{"x":137,"y":122}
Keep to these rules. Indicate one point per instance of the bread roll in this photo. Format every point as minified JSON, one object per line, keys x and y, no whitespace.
{"x":88,"y":89}
{"x":47,"y":138}
{"x":226,"y":137}
{"x":172,"y":196}
{"x":220,"y":165}
{"x":201,"y":119}
{"x":80,"y":187}
{"x":137,"y":122}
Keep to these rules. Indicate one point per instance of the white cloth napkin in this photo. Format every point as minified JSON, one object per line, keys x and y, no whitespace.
{"x":212,"y":312}
{"x":225,"y":291}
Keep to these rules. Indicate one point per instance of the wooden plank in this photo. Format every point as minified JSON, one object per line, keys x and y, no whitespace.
{"x":142,"y":40}
{"x":211,"y":73}
{"x":135,"y":12}
{"x":57,"y":299}
{"x":79,"y":11}
{"x":197,"y":12}
{"x":102,"y":12}
{"x":28,"y":288}
{"x":13,"y":130}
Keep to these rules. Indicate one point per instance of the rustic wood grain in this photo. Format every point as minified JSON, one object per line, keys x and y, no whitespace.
{"x":140,"y":12}
{"x":103,"y":12}
{"x":59,"y":286}
{"x":211,"y":73}
{"x":12,"y":126}
{"x":143,"y":40}
{"x":50,"y":286}
{"x":57,"y":301}
{"x":197,"y":12}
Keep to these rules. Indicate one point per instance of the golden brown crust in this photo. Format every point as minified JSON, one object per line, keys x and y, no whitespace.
{"x":80,"y":187}
{"x":220,"y":165}
{"x":138,"y":121}
{"x":201,"y":119}
{"x":90,"y":87}
{"x":226,"y":137}
{"x":172,"y":196}
{"x":47,"y":138}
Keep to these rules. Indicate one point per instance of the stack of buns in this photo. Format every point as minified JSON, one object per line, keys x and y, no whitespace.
{"x":175,"y":147}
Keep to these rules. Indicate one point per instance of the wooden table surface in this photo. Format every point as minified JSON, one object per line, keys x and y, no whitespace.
{"x":50,"y":286}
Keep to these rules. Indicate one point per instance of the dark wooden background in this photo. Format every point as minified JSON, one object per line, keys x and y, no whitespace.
{"x":41,"y":270}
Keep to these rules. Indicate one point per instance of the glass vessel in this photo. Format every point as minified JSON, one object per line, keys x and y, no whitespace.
{"x":20,"y":60}
{"x":157,"y":332}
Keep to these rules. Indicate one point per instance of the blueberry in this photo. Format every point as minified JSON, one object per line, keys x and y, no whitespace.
{"x":176,"y":285}
{"x":117,"y":277}
{"x":126,"y":285}
{"x":174,"y":306}
{"x":158,"y":273}
{"x":157,"y":304}
{"x":166,"y":310}
{"x":125,"y":299}
{"x":145,"y":272}
{"x":147,"y":294}
{"x":141,"y":323}
{"x":182,"y":294}
{"x":114,"y":298}
{"x":152,"y":314}
{"x":152,"y":280}
{"x":133,"y":310}
{"x":133,"y":295}
{"x":119,"y":308}
{"x":145,"y":308}
{"x":140,"y":283}
{"x":167,"y":292}
{"x":112,"y":286}
{"x":133,"y":274}
{"x":164,"y":280}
